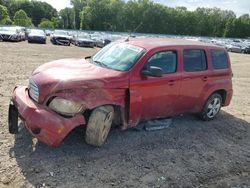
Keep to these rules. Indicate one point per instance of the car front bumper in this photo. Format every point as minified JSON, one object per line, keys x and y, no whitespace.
{"x":86,"y":44}
{"x":44,"y":124}
{"x":36,"y":39}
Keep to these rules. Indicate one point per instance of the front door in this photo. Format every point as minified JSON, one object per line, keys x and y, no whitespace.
{"x":157,"y":95}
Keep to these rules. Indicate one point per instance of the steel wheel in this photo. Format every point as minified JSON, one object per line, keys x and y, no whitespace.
{"x":99,"y":125}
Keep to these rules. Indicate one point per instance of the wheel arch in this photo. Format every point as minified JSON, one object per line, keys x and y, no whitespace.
{"x":222,"y":93}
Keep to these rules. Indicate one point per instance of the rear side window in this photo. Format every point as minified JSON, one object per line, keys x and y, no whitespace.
{"x":194,"y":60}
{"x":219,"y":59}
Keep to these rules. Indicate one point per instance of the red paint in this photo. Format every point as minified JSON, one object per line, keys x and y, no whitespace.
{"x":139,"y":97}
{"x":53,"y":127}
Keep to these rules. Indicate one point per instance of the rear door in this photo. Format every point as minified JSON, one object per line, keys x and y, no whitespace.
{"x":194,"y":77}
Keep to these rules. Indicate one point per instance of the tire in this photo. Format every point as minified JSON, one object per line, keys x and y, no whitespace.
{"x":99,"y":125}
{"x":13,"y":119}
{"x":212,"y":107}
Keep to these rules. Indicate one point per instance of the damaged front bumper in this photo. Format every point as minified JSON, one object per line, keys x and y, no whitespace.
{"x":43,"y":123}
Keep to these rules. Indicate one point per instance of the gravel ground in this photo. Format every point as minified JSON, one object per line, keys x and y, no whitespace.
{"x":190,"y":153}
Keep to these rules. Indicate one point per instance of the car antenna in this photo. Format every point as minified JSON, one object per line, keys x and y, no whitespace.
{"x":127,"y":39}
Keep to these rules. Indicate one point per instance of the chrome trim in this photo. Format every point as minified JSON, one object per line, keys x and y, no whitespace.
{"x":33,"y":90}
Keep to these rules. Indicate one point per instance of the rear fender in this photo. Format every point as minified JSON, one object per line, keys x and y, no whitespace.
{"x":209,"y":89}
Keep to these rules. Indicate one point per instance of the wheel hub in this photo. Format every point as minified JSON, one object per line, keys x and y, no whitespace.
{"x":213,"y":107}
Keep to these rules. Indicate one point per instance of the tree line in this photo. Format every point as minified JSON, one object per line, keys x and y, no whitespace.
{"x":126,"y":16}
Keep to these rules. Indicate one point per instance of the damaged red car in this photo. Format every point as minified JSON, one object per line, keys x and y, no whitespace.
{"x":124,"y":83}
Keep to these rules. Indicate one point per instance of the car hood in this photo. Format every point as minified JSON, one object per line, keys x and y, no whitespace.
{"x":84,"y":40}
{"x":62,"y":36}
{"x":36,"y":35}
{"x":76,"y":73}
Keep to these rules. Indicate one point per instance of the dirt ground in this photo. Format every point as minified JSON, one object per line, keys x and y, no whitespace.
{"x":190,"y":153}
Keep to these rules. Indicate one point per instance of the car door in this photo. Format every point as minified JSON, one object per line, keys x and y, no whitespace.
{"x":194,"y":77}
{"x":158,"y":95}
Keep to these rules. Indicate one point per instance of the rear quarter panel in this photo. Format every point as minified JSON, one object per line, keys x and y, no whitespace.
{"x":218,"y":79}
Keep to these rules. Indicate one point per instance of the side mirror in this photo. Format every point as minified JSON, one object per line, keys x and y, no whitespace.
{"x":153,"y":71}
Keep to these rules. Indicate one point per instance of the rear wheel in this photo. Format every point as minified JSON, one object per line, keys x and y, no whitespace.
{"x":99,"y":125}
{"x":212,"y":107}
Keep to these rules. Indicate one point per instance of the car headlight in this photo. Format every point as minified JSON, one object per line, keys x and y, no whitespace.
{"x":66,"y":107}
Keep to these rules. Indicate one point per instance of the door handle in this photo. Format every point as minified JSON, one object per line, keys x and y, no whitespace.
{"x":171,"y":82}
{"x":204,"y":78}
{"x":186,"y":79}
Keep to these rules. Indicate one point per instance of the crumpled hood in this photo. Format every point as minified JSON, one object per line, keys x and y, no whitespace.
{"x":76,"y":73}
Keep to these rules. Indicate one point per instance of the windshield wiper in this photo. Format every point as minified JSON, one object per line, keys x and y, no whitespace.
{"x":100,"y":63}
{"x":88,"y":57}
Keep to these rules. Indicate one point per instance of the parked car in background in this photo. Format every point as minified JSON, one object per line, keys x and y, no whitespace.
{"x":22,"y":31}
{"x":83,"y":40}
{"x":10,"y":34}
{"x":101,"y":40}
{"x":238,"y":47}
{"x":37,"y":36}
{"x":48,"y":32}
{"x":60,"y":37}
{"x":124,"y":83}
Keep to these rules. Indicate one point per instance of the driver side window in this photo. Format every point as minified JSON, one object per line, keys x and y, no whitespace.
{"x":166,"y":60}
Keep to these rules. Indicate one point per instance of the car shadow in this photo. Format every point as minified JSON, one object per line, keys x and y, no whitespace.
{"x":188,"y":144}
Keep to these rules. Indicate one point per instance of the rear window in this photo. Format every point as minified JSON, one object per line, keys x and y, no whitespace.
{"x":194,"y":60}
{"x":219,"y":59}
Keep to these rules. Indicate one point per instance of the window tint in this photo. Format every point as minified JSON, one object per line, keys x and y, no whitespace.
{"x":219,"y":59}
{"x":167,"y":61}
{"x":194,"y":60}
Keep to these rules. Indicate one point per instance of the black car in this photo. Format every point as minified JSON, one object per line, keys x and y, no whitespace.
{"x":101,"y":41}
{"x":60,"y":37}
{"x":83,"y":40}
{"x":37,"y":36}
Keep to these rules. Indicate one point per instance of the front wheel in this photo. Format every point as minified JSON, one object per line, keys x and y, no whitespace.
{"x":99,"y":125}
{"x":212,"y":107}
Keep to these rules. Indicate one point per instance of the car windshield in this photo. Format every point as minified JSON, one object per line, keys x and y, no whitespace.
{"x":8,"y":29}
{"x":118,"y":56}
{"x":83,"y":35}
{"x":37,"y":32}
{"x":58,"y":32}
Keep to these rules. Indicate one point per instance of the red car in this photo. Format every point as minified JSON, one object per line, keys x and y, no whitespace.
{"x":124,"y":83}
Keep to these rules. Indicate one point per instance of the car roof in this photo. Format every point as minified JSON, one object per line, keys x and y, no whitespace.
{"x":151,"y":43}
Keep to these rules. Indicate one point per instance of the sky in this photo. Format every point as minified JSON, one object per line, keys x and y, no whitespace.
{"x":238,"y":6}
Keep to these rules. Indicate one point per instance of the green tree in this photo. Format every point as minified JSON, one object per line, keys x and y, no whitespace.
{"x":21,"y":19}
{"x":78,"y":6}
{"x":55,"y":21}
{"x":67,"y":17}
{"x":36,"y":10}
{"x":45,"y":23}
{"x":4,"y":16}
